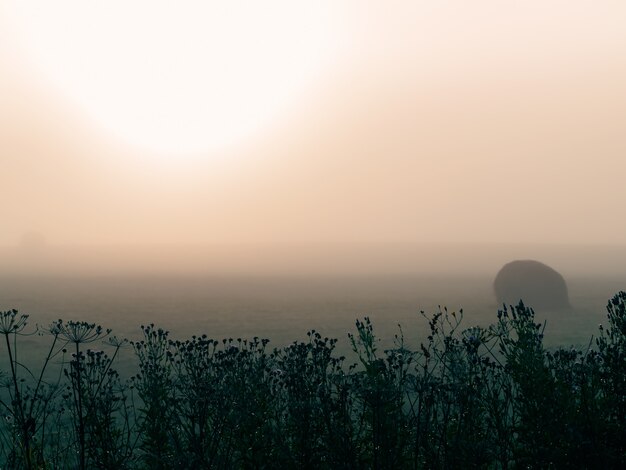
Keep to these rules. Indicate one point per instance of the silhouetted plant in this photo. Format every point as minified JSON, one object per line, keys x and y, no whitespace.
{"x":30,"y":397}
{"x":107,"y":414}
{"x":79,"y":333}
{"x":611,"y":360}
{"x":381,"y":387}
{"x":309,"y":386}
{"x":23,"y":422}
{"x":154,"y":385}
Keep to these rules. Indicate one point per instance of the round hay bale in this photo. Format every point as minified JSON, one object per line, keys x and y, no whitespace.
{"x":536,"y":284}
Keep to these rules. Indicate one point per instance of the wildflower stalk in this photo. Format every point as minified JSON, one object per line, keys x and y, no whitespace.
{"x":80,"y":333}
{"x":10,"y":326}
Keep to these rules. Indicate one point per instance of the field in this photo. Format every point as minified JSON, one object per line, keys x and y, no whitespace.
{"x":283,"y":309}
{"x":418,"y":386}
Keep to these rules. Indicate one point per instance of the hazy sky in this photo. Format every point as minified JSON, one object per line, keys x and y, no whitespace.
{"x":288,"y":121}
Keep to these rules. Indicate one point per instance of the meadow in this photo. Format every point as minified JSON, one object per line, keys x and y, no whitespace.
{"x":409,"y":385}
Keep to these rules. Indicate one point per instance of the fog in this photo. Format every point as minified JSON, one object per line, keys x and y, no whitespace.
{"x":488,"y":131}
{"x":356,"y":260}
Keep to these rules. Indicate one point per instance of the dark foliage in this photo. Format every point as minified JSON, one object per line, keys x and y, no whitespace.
{"x":475,"y":398}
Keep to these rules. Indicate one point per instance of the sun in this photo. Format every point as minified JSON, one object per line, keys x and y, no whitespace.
{"x":182,"y":77}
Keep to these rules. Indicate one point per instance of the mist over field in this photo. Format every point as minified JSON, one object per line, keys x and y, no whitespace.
{"x":33,"y":256}
{"x":280,"y":292}
{"x":312,"y":158}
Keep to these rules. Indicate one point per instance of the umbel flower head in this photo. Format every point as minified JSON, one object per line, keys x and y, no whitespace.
{"x":11,"y":323}
{"x":79,"y":332}
{"x":115,"y":341}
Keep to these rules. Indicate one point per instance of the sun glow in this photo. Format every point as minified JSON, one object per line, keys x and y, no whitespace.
{"x":183,"y":77}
